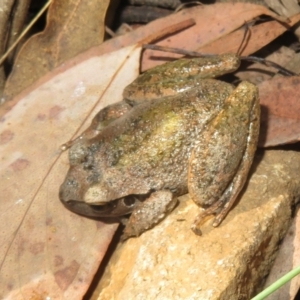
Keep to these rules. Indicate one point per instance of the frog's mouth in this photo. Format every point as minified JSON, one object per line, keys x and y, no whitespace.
{"x":115,"y":208}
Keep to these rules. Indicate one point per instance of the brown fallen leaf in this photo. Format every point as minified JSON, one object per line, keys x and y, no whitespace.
{"x":224,"y":18}
{"x":12,"y":19}
{"x":72,"y":27}
{"x":212,"y":22}
{"x":280,"y":108}
{"x":55,"y":252}
{"x":260,"y":36}
{"x":47,"y":251}
{"x":284,"y":8}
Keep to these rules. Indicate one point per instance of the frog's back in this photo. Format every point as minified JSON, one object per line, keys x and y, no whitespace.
{"x":154,"y":141}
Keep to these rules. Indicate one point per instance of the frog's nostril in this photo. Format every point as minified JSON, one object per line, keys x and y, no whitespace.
{"x":72,"y":183}
{"x":68,"y":190}
{"x":64,"y":194}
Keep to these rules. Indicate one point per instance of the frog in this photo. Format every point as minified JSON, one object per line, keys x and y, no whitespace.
{"x":178,"y":130}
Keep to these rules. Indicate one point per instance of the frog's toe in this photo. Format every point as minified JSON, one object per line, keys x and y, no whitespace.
{"x":125,"y":237}
{"x":196,"y":229}
{"x":220,"y":217}
{"x":199,"y":221}
{"x":216,"y":208}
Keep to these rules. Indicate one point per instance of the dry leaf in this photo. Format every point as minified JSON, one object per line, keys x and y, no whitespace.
{"x":212,"y":23}
{"x":284,"y":7}
{"x":226,"y":17}
{"x":12,"y":18}
{"x":47,"y":251}
{"x":19,"y":13}
{"x":260,"y":36}
{"x":55,"y":252}
{"x":72,"y":27}
{"x":280,"y":108}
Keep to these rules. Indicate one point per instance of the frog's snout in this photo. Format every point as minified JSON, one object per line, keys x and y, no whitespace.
{"x":70,"y":194}
{"x":68,"y":190}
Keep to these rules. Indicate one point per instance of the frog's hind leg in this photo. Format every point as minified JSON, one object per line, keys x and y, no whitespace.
{"x":222,"y":157}
{"x":223,"y":205}
{"x":149,"y":212}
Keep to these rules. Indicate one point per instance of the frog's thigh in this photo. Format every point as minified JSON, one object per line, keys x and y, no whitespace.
{"x":232,"y":191}
{"x":212,"y":166}
{"x":149,"y":212}
{"x":219,"y":165}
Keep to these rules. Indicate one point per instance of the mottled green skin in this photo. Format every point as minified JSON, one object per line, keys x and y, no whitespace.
{"x":191,"y":135}
{"x":178,"y":76}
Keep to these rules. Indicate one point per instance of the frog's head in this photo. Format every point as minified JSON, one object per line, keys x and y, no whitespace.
{"x":93,"y":201}
{"x":87,"y":193}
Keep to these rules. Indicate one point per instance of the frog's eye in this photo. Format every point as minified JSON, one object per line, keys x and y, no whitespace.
{"x":129,"y":201}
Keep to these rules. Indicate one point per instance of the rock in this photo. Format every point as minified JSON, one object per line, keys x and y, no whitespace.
{"x":288,"y":258}
{"x":228,"y":262}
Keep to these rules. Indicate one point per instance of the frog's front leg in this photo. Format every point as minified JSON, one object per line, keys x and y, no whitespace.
{"x":218,"y":169}
{"x":149,"y":212}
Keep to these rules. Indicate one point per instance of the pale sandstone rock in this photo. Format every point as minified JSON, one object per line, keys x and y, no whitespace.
{"x":287,"y":259}
{"x":228,"y":262}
